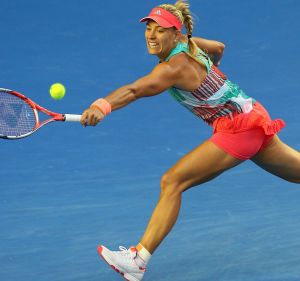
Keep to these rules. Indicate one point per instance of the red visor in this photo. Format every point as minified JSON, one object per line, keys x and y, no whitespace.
{"x":163,"y":18}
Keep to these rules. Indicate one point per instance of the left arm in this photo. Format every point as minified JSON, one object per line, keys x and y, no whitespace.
{"x":162,"y":77}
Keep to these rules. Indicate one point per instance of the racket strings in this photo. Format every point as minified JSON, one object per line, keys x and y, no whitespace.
{"x":17,"y":118}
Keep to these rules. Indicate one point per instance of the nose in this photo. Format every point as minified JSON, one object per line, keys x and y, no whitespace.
{"x":151,"y":34}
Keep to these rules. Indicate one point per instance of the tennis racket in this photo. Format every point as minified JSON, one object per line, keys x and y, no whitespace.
{"x":19,"y":116}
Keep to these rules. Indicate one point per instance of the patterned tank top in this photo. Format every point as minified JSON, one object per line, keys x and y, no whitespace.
{"x":215,"y":97}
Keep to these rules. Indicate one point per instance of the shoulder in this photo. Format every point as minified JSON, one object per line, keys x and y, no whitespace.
{"x":190,"y":72}
{"x":184,"y":64}
{"x":176,"y":64}
{"x":173,"y":67}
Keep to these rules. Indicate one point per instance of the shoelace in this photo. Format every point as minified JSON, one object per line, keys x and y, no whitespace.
{"x":126,"y":252}
{"x":130,"y":255}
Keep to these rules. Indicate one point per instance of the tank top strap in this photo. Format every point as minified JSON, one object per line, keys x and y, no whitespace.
{"x":183,"y":48}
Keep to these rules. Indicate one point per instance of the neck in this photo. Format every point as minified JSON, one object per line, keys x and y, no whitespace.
{"x":164,"y":55}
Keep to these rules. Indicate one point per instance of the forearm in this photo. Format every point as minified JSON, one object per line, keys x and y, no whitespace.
{"x":216,"y":58}
{"x":211,"y":46}
{"x":121,"y":97}
{"x":215,"y":49}
{"x":104,"y":106}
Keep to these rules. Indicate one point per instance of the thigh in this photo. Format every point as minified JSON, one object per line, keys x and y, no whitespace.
{"x":279,"y":159}
{"x":201,"y":165}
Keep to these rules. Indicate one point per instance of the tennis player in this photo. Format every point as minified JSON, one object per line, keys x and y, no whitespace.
{"x":242,"y":128}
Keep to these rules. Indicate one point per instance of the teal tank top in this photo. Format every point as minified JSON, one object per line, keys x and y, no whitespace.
{"x":216,"y":96}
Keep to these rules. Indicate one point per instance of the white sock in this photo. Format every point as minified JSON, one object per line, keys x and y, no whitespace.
{"x":143,"y":256}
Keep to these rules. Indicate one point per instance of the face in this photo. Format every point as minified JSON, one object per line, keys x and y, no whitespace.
{"x":160,"y":41}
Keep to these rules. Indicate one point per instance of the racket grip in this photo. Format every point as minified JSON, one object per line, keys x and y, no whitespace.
{"x":72,"y":117}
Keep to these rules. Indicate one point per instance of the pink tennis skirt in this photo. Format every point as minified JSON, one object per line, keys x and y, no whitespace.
{"x":246,"y":134}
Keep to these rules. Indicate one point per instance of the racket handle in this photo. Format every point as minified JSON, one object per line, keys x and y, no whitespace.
{"x":72,"y":117}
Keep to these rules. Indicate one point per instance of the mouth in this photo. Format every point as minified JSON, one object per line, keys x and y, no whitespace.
{"x":153,"y":45}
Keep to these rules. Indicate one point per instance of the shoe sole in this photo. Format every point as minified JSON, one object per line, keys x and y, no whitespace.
{"x":109,"y":262}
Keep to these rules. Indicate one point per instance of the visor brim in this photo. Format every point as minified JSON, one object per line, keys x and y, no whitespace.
{"x":159,"y":20}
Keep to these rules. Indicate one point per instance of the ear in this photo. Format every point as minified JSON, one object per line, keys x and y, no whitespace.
{"x":177,"y":36}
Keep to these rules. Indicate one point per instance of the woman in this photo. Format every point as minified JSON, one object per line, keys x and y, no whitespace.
{"x":242,"y":128}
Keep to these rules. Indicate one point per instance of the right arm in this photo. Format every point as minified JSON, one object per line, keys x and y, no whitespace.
{"x":214,"y":48}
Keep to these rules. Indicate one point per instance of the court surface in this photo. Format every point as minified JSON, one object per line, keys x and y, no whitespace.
{"x":68,"y":188}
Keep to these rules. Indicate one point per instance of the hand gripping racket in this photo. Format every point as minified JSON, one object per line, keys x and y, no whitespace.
{"x":19,"y":115}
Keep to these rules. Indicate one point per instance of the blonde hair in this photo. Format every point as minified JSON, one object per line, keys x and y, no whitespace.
{"x":181,"y":9}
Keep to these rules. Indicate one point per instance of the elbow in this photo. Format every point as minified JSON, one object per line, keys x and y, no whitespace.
{"x":220,"y":49}
{"x":218,"y":54}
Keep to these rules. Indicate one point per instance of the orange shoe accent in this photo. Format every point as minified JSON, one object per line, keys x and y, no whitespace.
{"x":139,"y":247}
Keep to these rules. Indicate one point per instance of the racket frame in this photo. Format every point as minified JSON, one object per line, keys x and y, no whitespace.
{"x":36,"y":107}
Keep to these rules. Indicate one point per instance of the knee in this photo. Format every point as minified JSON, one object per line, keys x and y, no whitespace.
{"x":295,"y":176}
{"x":296,"y":180}
{"x":292,"y":179}
{"x":171,"y":184}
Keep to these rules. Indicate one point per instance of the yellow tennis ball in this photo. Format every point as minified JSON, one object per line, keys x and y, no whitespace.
{"x":57,"y":91}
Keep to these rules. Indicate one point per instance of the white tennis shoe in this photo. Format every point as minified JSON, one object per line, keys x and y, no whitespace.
{"x":123,"y":262}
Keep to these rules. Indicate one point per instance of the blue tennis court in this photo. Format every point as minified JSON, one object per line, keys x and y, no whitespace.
{"x":67,"y":189}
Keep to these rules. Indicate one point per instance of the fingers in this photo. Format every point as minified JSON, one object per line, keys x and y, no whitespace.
{"x":91,"y":117}
{"x":84,"y":118}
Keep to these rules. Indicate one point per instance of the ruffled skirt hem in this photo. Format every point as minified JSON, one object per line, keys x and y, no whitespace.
{"x":257,"y":118}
